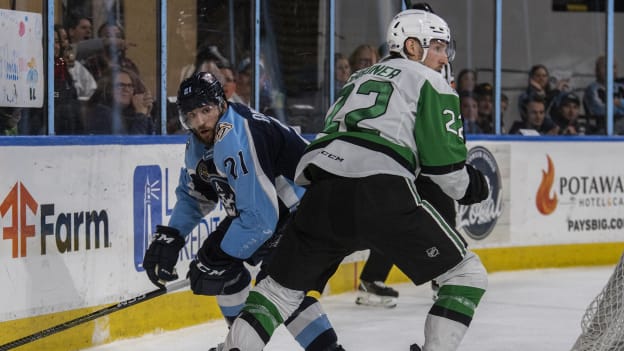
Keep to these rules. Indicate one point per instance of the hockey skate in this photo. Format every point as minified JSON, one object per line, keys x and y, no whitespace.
{"x":376,"y":294}
{"x":415,"y":347}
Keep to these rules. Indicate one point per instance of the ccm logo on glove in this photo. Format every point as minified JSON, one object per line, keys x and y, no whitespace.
{"x":162,"y":255}
{"x":210,"y":271}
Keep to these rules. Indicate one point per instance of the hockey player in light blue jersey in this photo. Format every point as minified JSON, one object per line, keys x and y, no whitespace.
{"x":247,"y":161}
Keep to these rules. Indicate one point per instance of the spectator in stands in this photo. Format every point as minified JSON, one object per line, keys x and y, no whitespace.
{"x":363,"y":56}
{"x":84,"y":82}
{"x":120,"y":106}
{"x":173,"y":120}
{"x":211,"y":58}
{"x":229,"y":85}
{"x":466,"y":80}
{"x":244,"y":88}
{"x":540,"y":84}
{"x":343,"y":71}
{"x":212,"y":68}
{"x":79,"y":27}
{"x":243,"y":81}
{"x":82,"y":79}
{"x":504,"y":104}
{"x":485,"y":105}
{"x":535,"y":122}
{"x":114,"y":54}
{"x":67,"y":111}
{"x":469,"y":112}
{"x":9,"y":116}
{"x":595,"y":98}
{"x":565,"y":113}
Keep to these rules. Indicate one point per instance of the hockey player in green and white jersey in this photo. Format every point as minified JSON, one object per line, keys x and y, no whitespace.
{"x":391,"y":121}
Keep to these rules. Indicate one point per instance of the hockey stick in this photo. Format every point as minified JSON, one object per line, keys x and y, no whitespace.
{"x":99,"y":313}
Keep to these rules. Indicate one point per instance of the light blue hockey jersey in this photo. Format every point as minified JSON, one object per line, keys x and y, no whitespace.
{"x":250,"y":169}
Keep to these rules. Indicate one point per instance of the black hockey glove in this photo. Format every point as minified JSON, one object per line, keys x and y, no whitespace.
{"x":477,"y":190}
{"x":213,"y":270}
{"x":162,"y":255}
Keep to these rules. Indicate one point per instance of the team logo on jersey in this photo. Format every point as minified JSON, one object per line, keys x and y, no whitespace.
{"x":479,"y":219}
{"x":222,"y":129}
{"x":204,"y":169}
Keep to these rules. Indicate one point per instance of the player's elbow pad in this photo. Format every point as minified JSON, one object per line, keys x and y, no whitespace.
{"x":477,"y":190}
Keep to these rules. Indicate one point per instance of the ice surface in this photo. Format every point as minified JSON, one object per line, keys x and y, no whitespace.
{"x":522,"y":310}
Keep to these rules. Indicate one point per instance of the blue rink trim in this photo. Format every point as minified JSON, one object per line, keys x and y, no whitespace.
{"x":545,"y":138}
{"x":64,"y":140}
{"x":313,"y":330}
{"x":68,"y":140}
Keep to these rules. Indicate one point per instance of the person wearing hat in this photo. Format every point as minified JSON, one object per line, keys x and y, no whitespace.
{"x":566,"y":113}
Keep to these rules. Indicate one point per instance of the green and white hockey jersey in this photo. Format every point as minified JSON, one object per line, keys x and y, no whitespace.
{"x":396,"y":117}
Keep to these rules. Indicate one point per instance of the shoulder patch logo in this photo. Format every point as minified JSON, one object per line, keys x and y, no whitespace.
{"x":222,"y":129}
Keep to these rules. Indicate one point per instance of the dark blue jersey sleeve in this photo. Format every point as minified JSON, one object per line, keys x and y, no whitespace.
{"x":258,"y":156}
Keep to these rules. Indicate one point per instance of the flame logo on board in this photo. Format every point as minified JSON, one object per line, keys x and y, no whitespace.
{"x":544,"y":202}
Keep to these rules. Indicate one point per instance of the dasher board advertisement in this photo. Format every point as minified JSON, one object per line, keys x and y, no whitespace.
{"x":76,"y":220}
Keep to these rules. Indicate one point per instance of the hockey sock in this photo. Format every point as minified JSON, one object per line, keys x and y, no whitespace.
{"x":310,"y":326}
{"x":231,"y":305}
{"x":457,"y":303}
{"x":450,"y":316}
{"x":266,"y":307}
{"x":254,"y":326}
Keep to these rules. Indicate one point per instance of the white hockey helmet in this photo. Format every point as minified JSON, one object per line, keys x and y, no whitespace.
{"x":422,"y":25}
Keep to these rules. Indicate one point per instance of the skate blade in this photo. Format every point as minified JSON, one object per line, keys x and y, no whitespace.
{"x":368,"y":299}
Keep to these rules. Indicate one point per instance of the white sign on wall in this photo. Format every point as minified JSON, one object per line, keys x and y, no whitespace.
{"x":75,"y":222}
{"x":567,"y":193}
{"x":21,"y":59}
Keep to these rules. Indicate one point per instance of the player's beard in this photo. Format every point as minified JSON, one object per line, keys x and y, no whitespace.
{"x":206,"y":138}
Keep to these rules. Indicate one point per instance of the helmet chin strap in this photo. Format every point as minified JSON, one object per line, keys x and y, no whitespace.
{"x":404,"y":53}
{"x":424,"y":56}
